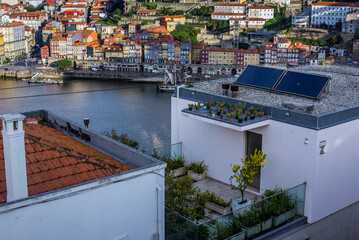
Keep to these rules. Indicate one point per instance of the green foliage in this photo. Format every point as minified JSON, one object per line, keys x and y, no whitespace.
{"x":179,"y":12}
{"x":150,"y":5}
{"x":280,"y":201}
{"x":198,"y":167}
{"x":279,"y":21}
{"x":337,"y":39}
{"x":244,"y":173}
{"x":30,"y":9}
{"x":250,"y":217}
{"x":218,"y":25}
{"x":243,"y":45}
{"x":123,"y":138}
{"x":174,"y":162}
{"x":64,"y":63}
{"x":185,"y":32}
{"x":189,"y":85}
{"x":225,"y":230}
{"x":182,"y":197}
{"x":189,"y":15}
{"x":213,"y":197}
{"x":203,"y":11}
{"x":313,"y":42}
{"x":167,"y":12}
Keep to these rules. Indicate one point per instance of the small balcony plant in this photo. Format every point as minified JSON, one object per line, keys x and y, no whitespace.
{"x":190,"y":106}
{"x":197,"y":170}
{"x":243,"y":175}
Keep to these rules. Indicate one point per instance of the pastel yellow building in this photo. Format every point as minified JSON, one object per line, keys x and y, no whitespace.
{"x":251,"y":57}
{"x":171,"y":22}
{"x":2,"y":48}
{"x":222,"y":56}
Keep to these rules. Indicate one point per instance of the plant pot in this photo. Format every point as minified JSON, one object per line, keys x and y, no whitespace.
{"x":190,"y":109}
{"x":230,"y":119}
{"x":252,"y":117}
{"x":283,"y":218}
{"x":267,"y":224}
{"x":178,"y":172}
{"x":252,"y":230}
{"x":218,"y":209}
{"x":262,"y":114}
{"x":225,"y":86}
{"x":221,"y":117}
{"x":239,"y":236}
{"x":245,"y":118}
{"x":240,"y":120}
{"x":224,"y":112}
{"x":196,"y":176}
{"x":236,"y":205}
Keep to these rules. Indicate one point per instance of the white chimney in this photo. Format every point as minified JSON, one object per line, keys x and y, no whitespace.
{"x":14,"y":155}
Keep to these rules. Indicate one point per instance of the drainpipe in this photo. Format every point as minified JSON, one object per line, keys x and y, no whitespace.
{"x":178,"y":111}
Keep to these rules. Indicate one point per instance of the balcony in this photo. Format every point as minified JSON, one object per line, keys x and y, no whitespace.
{"x":237,"y":116}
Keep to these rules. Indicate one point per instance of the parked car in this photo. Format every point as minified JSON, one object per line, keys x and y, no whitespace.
{"x":95,"y":69}
{"x":207,"y":76}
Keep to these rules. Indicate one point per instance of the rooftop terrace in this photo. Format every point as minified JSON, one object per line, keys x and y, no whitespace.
{"x":343,"y":93}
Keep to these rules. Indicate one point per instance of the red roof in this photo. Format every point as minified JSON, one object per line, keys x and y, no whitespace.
{"x":55,"y":160}
{"x":231,"y":4}
{"x":339,"y":4}
{"x":145,"y":11}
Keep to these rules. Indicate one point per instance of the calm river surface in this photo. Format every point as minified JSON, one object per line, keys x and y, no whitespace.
{"x":133,"y":108}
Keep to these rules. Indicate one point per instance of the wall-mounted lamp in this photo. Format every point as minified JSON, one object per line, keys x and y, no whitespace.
{"x":306,"y":141}
{"x":322,"y":146}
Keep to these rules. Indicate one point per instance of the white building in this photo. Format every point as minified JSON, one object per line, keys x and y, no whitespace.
{"x":55,"y":190}
{"x":319,"y":149}
{"x":230,"y":8}
{"x":260,"y":12}
{"x":351,"y":23}
{"x":227,"y":16}
{"x":330,"y":13}
{"x":302,"y":19}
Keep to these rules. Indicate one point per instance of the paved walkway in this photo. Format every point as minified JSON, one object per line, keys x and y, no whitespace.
{"x":223,"y":190}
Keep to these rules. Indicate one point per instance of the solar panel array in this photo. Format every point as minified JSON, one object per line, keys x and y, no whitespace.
{"x":282,"y":81}
{"x":260,"y":77}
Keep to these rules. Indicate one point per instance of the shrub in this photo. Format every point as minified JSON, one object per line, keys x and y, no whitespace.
{"x":123,"y":138}
{"x":198,"y":167}
{"x":213,"y":197}
{"x":175,"y":162}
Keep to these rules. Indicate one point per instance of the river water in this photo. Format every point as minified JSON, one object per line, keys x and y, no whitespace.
{"x":136,"y":109}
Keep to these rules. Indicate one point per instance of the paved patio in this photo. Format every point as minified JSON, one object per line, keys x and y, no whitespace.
{"x":223,"y":190}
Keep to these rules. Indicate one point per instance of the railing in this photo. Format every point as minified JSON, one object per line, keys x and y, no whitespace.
{"x":167,"y":151}
{"x":254,"y":220}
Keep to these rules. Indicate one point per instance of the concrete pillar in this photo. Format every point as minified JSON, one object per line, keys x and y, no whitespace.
{"x":14,"y":156}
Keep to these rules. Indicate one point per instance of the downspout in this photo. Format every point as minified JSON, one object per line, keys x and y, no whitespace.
{"x":159,"y":212}
{"x":178,"y":112}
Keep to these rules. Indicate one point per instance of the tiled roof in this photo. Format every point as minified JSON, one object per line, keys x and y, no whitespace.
{"x":55,"y":160}
{"x":145,"y":11}
{"x":259,"y":7}
{"x":338,"y":4}
{"x":231,"y":4}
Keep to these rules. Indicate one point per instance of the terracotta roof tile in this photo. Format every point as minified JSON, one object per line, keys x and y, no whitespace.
{"x":55,"y":160}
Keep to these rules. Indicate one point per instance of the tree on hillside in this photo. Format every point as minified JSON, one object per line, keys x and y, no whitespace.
{"x":64,"y":63}
{"x":185,"y":32}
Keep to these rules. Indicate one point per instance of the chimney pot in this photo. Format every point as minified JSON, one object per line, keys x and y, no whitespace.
{"x":14,"y":156}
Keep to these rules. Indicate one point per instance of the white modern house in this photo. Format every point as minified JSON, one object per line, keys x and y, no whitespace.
{"x":230,"y":7}
{"x":260,"y":12}
{"x":317,"y":146}
{"x":55,"y":190}
{"x":330,"y":13}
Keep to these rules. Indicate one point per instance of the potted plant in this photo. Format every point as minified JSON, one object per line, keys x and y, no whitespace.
{"x":230,"y":117}
{"x":212,"y":113}
{"x":285,"y":208}
{"x":221,"y":104}
{"x":219,"y":110}
{"x":253,"y":113}
{"x":251,"y":222}
{"x":197,"y":106}
{"x":261,"y":113}
{"x":221,"y":116}
{"x":176,"y":165}
{"x":243,"y":175}
{"x":235,"y":231}
{"x":190,"y":107}
{"x":240,"y":118}
{"x":229,"y":106}
{"x":267,"y":211}
{"x":217,"y":204}
{"x":197,"y":170}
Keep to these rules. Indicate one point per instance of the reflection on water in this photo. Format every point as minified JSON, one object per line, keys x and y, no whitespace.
{"x":132,"y":108}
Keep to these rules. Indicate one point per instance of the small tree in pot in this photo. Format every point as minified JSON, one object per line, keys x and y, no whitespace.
{"x":244,"y":172}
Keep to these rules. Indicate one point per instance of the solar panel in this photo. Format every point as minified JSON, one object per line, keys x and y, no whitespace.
{"x":301,"y":84}
{"x":261,"y":77}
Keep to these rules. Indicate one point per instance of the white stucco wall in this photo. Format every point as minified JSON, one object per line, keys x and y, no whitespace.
{"x":336,"y":173}
{"x":126,"y":208}
{"x":331,"y":178}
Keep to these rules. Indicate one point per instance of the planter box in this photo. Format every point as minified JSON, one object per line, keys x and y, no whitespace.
{"x":178,"y":172}
{"x":197,"y":177}
{"x":252,"y":230}
{"x":284,"y":217}
{"x":219,"y":209}
{"x":238,"y":236}
{"x":236,"y":205}
{"x":267,"y":224}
